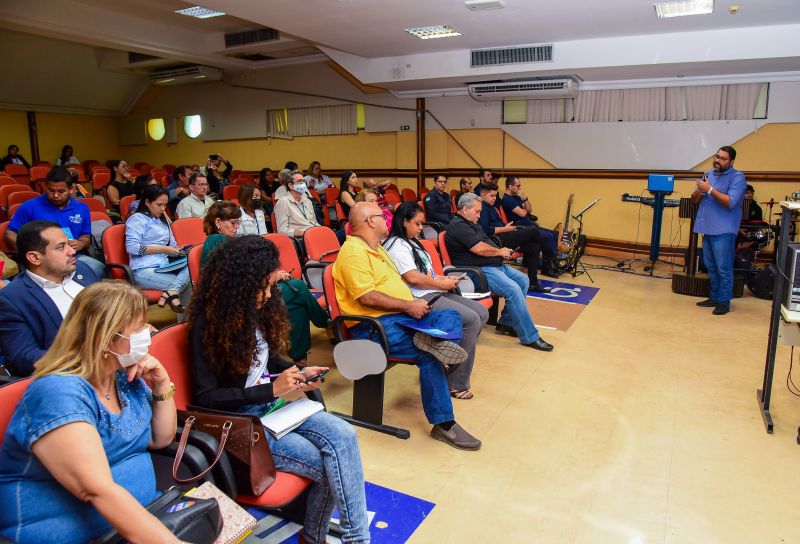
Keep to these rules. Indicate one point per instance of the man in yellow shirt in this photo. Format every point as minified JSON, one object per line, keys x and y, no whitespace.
{"x":368,"y":283}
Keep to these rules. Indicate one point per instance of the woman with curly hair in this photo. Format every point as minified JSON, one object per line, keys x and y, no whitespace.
{"x":232,"y":372}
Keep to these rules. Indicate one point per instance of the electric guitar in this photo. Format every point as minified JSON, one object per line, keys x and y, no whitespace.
{"x":566,"y":237}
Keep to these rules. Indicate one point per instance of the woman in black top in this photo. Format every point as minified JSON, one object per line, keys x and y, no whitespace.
{"x":232,"y":372}
{"x":347,"y":191}
{"x":121,"y":184}
{"x":267,"y":183}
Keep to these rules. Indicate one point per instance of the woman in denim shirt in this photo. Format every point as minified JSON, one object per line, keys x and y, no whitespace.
{"x":231,"y":372}
{"x":149,"y":242}
{"x":74,"y":458}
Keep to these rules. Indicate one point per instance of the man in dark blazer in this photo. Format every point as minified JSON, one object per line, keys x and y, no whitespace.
{"x":33,"y":306}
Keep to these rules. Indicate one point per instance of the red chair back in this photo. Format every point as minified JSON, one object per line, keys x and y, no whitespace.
{"x":115,"y":253}
{"x":393,"y":198}
{"x":251,"y":180}
{"x":242,"y":181}
{"x":146,"y":169}
{"x":329,"y":288}
{"x":10,"y":395}
{"x":157,"y":174}
{"x":168,"y":168}
{"x":233,"y":174}
{"x":39,"y":173}
{"x":503,"y":215}
{"x":12,"y":210}
{"x":230,"y":192}
{"x":331,"y":195}
{"x":124,"y":206}
{"x":436,"y":259}
{"x":288,"y":254}
{"x":19,"y":172}
{"x":165,"y":181}
{"x":134,"y":173}
{"x":48,"y":164}
{"x":189,"y":231}
{"x":100,"y":216}
{"x":97,"y":167}
{"x":443,"y":250}
{"x":7,"y":190}
{"x":171,"y":347}
{"x":19,"y":197}
{"x":422,"y":192}
{"x":4,"y":247}
{"x":7,"y":180}
{"x":195,"y":256}
{"x":94,"y":204}
{"x":322,"y":245}
{"x":409,"y":194}
{"x":340,"y":212}
{"x":88,"y":165}
{"x":100,"y":179}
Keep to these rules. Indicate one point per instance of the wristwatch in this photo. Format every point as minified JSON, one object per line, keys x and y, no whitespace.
{"x":168,"y":395}
{"x":709,"y":191}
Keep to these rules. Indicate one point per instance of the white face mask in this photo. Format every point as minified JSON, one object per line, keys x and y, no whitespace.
{"x":300,"y":187}
{"x":140,"y":343}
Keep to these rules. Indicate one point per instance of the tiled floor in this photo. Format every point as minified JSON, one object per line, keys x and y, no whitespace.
{"x":641,"y":427}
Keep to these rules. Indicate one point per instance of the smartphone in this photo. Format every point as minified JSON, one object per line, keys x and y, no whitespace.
{"x":436,"y":297}
{"x":315,"y":377}
{"x":213,"y":157}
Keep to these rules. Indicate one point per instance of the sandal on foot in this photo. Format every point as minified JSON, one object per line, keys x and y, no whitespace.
{"x":174,"y":302}
{"x":466,"y":394}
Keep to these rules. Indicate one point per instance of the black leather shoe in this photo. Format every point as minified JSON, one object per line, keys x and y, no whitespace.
{"x":538,"y":288}
{"x":541,"y":345}
{"x":721,"y":309}
{"x":505,"y":329}
{"x":707,"y":303}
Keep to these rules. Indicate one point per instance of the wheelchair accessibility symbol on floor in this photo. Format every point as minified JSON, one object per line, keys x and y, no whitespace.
{"x":566,"y":292}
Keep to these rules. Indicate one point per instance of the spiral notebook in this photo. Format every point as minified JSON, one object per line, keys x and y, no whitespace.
{"x":237,"y":523}
{"x":290,"y":416}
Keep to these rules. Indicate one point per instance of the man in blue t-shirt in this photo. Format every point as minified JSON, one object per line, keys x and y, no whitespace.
{"x":519,"y":210}
{"x":720,"y":194}
{"x":57,"y":206}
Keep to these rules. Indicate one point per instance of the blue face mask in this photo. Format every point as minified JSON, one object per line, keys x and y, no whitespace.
{"x":300,"y":187}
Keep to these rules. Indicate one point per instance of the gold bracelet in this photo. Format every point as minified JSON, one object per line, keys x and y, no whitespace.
{"x":166,"y":396}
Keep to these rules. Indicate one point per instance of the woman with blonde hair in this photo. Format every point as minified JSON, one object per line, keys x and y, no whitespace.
{"x":74,"y":459}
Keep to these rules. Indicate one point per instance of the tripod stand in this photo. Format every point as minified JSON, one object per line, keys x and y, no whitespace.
{"x":579,"y":245}
{"x":655,"y":235}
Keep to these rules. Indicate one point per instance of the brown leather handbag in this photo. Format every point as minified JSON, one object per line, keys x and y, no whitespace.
{"x":242,"y":436}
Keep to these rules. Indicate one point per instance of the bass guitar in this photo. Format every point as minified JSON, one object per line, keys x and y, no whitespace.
{"x":566,"y":237}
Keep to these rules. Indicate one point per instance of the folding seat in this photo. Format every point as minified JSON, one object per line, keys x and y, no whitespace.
{"x":19,"y":172}
{"x":409,"y":194}
{"x":189,"y":231}
{"x":21,"y":196}
{"x":118,"y":261}
{"x":322,"y":247}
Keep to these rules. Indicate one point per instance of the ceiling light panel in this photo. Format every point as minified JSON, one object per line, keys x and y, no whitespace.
{"x":199,"y":12}
{"x":680,"y":9}
{"x":431,"y":32}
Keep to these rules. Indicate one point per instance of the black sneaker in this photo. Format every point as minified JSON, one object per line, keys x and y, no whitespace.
{"x":721,"y":309}
{"x":707,"y":303}
{"x":505,"y":329}
{"x":539,"y":288}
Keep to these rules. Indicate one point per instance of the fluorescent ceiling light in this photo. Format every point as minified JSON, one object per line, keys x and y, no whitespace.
{"x":679,"y":9}
{"x":200,"y":12}
{"x":435,"y":31}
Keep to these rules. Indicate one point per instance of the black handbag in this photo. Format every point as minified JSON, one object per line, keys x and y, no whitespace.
{"x":198,"y":521}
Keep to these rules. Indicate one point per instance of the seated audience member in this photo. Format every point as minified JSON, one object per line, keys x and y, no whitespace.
{"x":218,"y":179}
{"x":523,"y":238}
{"x":235,"y":376}
{"x":221,"y":223}
{"x":284,"y":177}
{"x":438,"y":203}
{"x":464,"y":186}
{"x":149,"y":243}
{"x":267,"y":182}
{"x":14,"y":157}
{"x":34,"y":304}
{"x":469,"y":245}
{"x":369,"y":195}
{"x":74,"y":462}
{"x":367,"y":283}
{"x":290,"y":165}
{"x":485,"y":177}
{"x":347,"y":191}
{"x":316,"y":180}
{"x":755,"y":213}
{"x":253,"y":219}
{"x":179,"y":188}
{"x":415,"y":265}
{"x":195,"y":169}
{"x":138,"y":190}
{"x":67,"y":157}
{"x":198,"y":202}
{"x":518,"y":209}
{"x":56,"y":205}
{"x":295,"y":214}
{"x":121,"y":184}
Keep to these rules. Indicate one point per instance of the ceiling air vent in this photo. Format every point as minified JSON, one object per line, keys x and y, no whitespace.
{"x":530,"y":89}
{"x":236,"y":39}
{"x":512,"y":55}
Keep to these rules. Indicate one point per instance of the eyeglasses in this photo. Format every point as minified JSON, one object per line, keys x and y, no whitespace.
{"x":721,"y":158}
{"x":234,"y":222}
{"x":376,"y":215}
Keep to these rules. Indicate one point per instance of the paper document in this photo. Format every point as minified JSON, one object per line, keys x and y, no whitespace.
{"x":289,"y":417}
{"x":476,"y":296}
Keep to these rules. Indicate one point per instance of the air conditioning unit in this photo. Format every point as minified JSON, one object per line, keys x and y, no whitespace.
{"x":184,"y":75}
{"x":523,"y":89}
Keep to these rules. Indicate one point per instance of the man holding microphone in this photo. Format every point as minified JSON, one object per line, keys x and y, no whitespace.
{"x":720,"y":194}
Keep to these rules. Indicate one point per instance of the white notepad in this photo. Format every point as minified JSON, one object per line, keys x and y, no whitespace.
{"x":290,"y":416}
{"x":476,"y":296}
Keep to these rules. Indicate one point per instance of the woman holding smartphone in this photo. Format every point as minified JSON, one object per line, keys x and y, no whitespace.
{"x":243,"y":373}
{"x":416,"y":268}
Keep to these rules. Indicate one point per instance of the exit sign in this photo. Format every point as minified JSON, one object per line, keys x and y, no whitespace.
{"x":405,"y":127}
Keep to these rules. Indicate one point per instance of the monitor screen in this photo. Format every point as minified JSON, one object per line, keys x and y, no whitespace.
{"x":660,"y":182}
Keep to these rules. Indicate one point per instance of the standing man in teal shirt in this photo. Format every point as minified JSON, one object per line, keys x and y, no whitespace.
{"x":720,"y":194}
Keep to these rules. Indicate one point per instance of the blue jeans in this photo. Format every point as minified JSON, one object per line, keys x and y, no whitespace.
{"x":436,"y":401}
{"x":512,"y":285}
{"x":718,"y":251}
{"x":324,"y":449}
{"x":170,"y":281}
